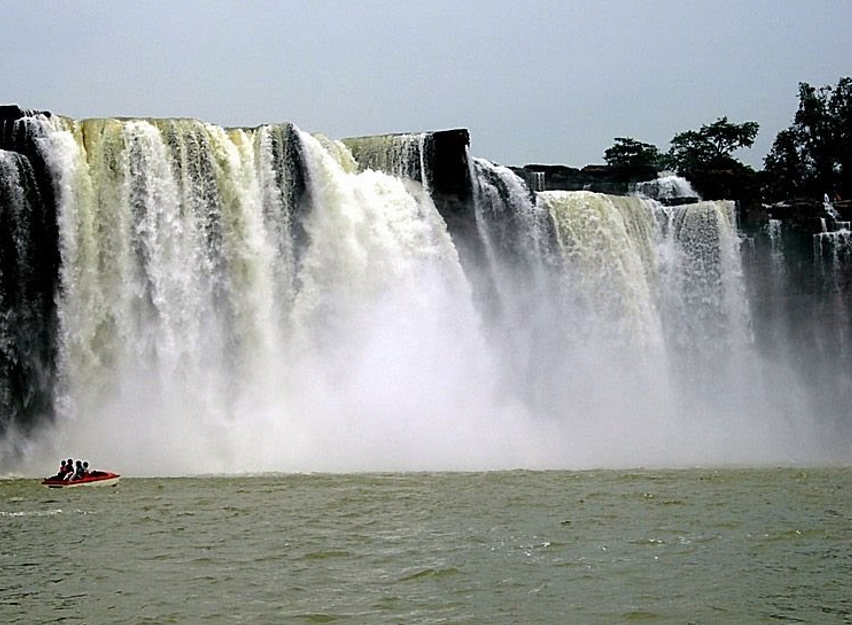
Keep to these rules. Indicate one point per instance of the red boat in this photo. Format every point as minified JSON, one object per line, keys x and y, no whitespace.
{"x":95,"y":478}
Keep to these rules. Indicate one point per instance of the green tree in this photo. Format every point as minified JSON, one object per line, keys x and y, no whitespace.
{"x":628,"y":152}
{"x":711,"y":146}
{"x":784,"y":168}
{"x":814,"y":155}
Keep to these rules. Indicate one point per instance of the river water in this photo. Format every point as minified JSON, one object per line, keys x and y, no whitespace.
{"x":681,"y":546}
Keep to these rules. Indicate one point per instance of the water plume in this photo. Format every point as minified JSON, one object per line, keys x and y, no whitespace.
{"x":259,"y":299}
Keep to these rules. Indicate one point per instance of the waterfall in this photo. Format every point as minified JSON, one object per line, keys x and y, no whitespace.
{"x":832,"y":255}
{"x":606,"y":263}
{"x":28,"y":261}
{"x":705,"y":287}
{"x":167,"y":297}
{"x":773,"y":231}
{"x":662,"y":325}
{"x":666,"y":188}
{"x":400,"y":155}
{"x":832,"y":250}
{"x":182,"y":298}
{"x":520,"y":268}
{"x":246,"y":296}
{"x":25,"y":323}
{"x":515,"y":229}
{"x":370,"y":234}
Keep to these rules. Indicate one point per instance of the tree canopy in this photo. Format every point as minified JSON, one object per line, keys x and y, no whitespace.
{"x":813,"y":156}
{"x":810,"y":159}
{"x":629,"y":152}
{"x":711,"y":147}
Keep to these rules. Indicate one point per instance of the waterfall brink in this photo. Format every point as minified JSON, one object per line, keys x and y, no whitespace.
{"x":401,"y":156}
{"x":181,"y":298}
{"x":833,"y":253}
{"x":666,"y":189}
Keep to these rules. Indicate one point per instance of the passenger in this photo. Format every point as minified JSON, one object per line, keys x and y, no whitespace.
{"x":85,"y":468}
{"x":78,"y":471}
{"x":60,"y":474}
{"x":69,"y":469}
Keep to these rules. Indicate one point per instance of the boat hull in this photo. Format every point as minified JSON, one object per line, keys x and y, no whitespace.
{"x":106,"y":479}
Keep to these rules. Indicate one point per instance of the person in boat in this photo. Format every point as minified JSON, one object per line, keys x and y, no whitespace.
{"x":78,"y":471}
{"x":60,"y":473}
{"x":69,"y":469}
{"x":86,"y":472}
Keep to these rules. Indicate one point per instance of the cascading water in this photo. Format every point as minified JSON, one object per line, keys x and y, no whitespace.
{"x":703,"y":281}
{"x":266,"y":300}
{"x":195,"y":336}
{"x":605,"y":266}
{"x":401,"y":155}
{"x":661,"y":324}
{"x":520,"y":268}
{"x":23,"y":307}
{"x":833,"y":245}
{"x":167,"y":293}
{"x":28,"y":261}
{"x":666,"y":188}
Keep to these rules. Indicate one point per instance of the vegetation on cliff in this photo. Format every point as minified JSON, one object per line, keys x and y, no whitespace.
{"x":710,"y":147}
{"x":813,"y":157}
{"x":810,"y":159}
{"x":628,"y":152}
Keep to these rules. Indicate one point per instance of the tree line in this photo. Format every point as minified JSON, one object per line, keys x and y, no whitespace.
{"x":810,"y":159}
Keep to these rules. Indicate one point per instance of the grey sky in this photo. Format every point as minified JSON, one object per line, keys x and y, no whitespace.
{"x":534,"y":81}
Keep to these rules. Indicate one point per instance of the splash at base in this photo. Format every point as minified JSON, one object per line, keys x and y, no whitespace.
{"x":251,"y":300}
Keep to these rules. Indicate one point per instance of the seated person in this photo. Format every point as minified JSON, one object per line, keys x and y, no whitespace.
{"x":60,"y":473}
{"x":78,"y":471}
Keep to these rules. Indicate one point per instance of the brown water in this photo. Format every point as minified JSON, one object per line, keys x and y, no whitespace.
{"x":694,"y":546}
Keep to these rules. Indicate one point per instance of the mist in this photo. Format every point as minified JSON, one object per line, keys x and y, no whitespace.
{"x":211,"y":325}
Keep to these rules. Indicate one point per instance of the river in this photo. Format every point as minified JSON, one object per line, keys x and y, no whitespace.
{"x":611,"y":546}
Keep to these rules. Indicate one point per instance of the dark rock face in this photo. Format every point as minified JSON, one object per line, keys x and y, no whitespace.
{"x":597,"y":178}
{"x":13,"y":111}
{"x":29,"y":269}
{"x":809,"y":215}
{"x":446,"y":153}
{"x":448,"y":178}
{"x":799,"y":282}
{"x":447,"y":167}
{"x":740,"y":185}
{"x":437,"y":159}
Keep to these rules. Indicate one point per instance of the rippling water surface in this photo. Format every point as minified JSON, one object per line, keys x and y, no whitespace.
{"x":697,"y":546}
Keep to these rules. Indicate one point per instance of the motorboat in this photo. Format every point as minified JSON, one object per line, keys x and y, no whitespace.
{"x":93,"y":478}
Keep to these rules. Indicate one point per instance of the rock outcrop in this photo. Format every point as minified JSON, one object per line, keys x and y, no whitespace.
{"x":597,"y":178}
{"x":29,"y":269}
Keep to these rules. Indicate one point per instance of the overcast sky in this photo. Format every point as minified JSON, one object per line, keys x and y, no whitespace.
{"x":534,"y":81}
